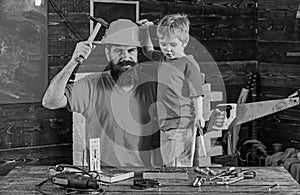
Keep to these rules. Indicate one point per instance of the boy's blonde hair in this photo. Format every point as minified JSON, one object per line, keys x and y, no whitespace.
{"x":174,"y":25}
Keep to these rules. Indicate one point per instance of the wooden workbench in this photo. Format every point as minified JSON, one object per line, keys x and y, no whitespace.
{"x":22,"y":180}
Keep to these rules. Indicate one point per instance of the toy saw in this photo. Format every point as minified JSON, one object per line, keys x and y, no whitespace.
{"x":237,"y":114}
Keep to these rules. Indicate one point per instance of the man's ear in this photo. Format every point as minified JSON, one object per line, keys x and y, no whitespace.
{"x":107,"y":54}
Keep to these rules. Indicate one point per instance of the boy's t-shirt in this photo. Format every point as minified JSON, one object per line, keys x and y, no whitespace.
{"x":179,"y":81}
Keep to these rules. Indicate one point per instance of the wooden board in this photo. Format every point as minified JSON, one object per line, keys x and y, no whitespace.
{"x":23,"y":179}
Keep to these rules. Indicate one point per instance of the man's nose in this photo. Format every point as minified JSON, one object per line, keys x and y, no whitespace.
{"x":125,"y":55}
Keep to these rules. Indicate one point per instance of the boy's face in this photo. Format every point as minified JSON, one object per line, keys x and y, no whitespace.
{"x":172,"y":47}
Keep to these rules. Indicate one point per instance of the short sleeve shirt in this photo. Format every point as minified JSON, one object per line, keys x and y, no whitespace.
{"x":179,"y":81}
{"x":124,"y":121}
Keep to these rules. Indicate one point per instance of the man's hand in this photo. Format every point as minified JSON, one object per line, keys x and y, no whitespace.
{"x":217,"y":120}
{"x":83,"y":49}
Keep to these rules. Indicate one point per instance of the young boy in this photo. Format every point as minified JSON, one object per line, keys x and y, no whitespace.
{"x":179,"y":91}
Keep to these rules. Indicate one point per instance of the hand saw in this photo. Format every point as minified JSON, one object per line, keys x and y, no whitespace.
{"x":237,"y":114}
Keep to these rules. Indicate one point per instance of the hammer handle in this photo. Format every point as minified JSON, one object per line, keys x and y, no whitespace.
{"x":90,"y":39}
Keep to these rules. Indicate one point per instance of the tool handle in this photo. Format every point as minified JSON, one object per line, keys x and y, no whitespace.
{"x":203,"y":144}
{"x":94,"y":32}
{"x":230,"y":110}
{"x":91,"y":38}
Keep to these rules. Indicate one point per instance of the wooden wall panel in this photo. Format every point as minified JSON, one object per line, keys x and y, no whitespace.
{"x":277,"y":20}
{"x":72,"y":26}
{"x":276,"y":52}
{"x":281,"y":128}
{"x":278,"y":34}
{"x":28,"y":125}
{"x":69,"y":6}
{"x":280,"y":75}
{"x":232,"y":50}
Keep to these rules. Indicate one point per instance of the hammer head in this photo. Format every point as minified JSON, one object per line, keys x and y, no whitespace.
{"x":99,"y":20}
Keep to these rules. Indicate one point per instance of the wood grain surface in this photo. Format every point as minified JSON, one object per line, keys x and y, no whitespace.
{"x":22,"y":180}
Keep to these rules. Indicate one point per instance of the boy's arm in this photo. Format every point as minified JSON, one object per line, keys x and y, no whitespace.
{"x":198,"y":101}
{"x":147,"y":45}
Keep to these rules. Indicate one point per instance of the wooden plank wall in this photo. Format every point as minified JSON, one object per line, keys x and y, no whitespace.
{"x":33,"y":134}
{"x":279,"y":33}
{"x":226,"y":28}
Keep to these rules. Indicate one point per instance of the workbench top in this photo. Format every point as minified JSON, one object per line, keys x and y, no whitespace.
{"x":22,"y":180}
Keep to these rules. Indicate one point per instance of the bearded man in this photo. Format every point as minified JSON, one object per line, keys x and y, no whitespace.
{"x":118,"y":105}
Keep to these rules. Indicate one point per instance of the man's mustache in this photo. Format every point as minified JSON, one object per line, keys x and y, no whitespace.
{"x":126,"y":63}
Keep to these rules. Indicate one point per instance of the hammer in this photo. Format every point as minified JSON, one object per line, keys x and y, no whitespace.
{"x":99,"y":22}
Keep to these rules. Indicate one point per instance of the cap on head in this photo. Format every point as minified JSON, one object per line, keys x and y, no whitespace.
{"x":122,"y":32}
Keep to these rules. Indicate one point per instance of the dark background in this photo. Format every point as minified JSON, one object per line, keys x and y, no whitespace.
{"x":23,"y":51}
{"x":242,"y":36}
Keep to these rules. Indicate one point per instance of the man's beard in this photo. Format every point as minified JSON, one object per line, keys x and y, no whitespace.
{"x":124,"y":76}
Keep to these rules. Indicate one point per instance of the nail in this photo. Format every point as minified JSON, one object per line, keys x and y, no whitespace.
{"x":272,"y":186}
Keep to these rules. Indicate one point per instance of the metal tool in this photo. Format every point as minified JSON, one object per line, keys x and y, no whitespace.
{"x":210,"y":171}
{"x":241,"y":113}
{"x":236,"y":176}
{"x":73,"y":179}
{"x":224,"y":173}
{"x":272,"y":186}
{"x":199,"y":181}
{"x":231,"y":181}
{"x":201,"y":171}
{"x":205,"y":172}
{"x":99,"y":22}
{"x":200,"y":130}
{"x":247,"y":174}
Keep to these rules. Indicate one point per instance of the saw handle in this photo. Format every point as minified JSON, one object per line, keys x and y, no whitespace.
{"x":230,"y":110}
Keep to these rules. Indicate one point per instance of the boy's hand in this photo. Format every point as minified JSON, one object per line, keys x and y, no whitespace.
{"x":200,"y":122}
{"x":217,"y":120}
{"x":144,"y":23}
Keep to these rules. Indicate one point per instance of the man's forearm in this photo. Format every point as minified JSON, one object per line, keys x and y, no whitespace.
{"x":54,"y":96}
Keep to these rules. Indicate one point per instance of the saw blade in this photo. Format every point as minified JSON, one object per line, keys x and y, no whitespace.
{"x":251,"y":111}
